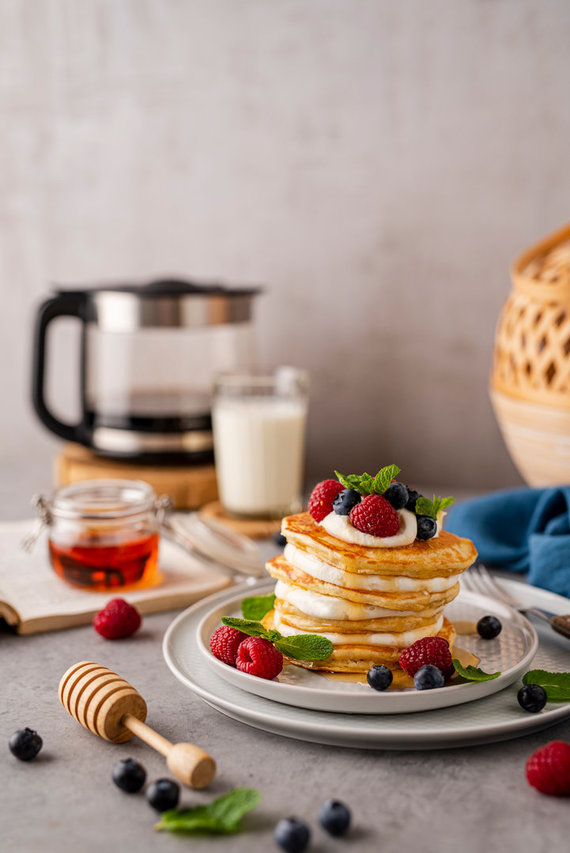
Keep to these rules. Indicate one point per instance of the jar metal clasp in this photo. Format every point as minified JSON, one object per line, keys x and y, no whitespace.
{"x":41,"y":505}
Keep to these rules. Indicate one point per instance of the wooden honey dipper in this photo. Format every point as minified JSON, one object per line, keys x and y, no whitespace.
{"x":110,"y":707}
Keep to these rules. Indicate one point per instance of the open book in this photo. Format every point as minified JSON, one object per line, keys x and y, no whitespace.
{"x":34,"y":599}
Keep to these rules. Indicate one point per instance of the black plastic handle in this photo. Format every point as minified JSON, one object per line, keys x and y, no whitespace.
{"x":62,"y":305}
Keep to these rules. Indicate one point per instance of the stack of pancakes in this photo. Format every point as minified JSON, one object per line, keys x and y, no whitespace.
{"x":372,"y":603}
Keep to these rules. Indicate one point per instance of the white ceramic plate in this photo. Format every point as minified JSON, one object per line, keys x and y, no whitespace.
{"x":492,"y":718}
{"x":508,"y":654}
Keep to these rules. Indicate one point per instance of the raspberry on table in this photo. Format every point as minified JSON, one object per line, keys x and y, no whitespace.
{"x":117,"y":619}
{"x":429,"y":650}
{"x":224,"y":643}
{"x":376,"y":516}
{"x":548,"y":769}
{"x":258,"y":656}
{"x":322,"y":497}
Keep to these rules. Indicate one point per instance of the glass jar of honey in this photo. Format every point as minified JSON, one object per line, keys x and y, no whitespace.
{"x":104,"y":534}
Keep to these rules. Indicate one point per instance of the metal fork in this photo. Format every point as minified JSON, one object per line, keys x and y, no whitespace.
{"x":479,"y":579}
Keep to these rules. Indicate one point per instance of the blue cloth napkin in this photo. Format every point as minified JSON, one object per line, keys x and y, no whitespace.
{"x":524,"y":530}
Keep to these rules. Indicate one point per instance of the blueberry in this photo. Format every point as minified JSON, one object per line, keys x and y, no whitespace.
{"x":489,"y":627}
{"x":334,"y":816}
{"x":280,"y":540}
{"x":163,"y":794}
{"x":25,"y":744}
{"x":427,"y":527}
{"x":412,"y":498}
{"x":292,"y":835}
{"x":129,"y":775}
{"x":379,"y":677}
{"x":345,"y":500}
{"x":428,"y":677}
{"x":532,"y":697}
{"x":397,"y":494}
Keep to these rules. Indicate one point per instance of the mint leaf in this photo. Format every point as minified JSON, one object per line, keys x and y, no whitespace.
{"x":299,"y":646}
{"x":249,"y":627}
{"x":426,"y":507}
{"x":350,"y":481}
{"x":556,"y":684}
{"x":473,"y":673}
{"x":222,"y":816}
{"x":384,"y":477}
{"x":305,"y":647}
{"x":257,"y":606}
{"x":366,"y":484}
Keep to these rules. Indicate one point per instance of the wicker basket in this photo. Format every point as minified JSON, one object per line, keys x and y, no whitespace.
{"x":530,"y":381}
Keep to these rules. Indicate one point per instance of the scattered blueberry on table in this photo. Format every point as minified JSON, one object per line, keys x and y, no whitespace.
{"x":25,"y":744}
{"x":334,"y":817}
{"x":292,"y":835}
{"x":163,"y":794}
{"x":532,"y":697}
{"x":129,"y":775}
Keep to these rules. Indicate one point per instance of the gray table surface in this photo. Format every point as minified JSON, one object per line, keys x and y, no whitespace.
{"x":471,"y":799}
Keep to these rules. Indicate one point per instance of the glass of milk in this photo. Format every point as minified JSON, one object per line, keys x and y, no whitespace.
{"x":259,"y":441}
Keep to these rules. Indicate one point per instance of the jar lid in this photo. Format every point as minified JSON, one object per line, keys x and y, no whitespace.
{"x":102,"y":499}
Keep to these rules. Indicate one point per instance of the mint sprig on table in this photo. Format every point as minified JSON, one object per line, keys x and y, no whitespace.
{"x":473,"y":673}
{"x":432,"y":508}
{"x":222,"y":816}
{"x":257,"y":606}
{"x":556,"y":684}
{"x":299,"y":646}
{"x":366,"y":484}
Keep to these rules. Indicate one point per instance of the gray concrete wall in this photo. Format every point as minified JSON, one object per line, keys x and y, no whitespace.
{"x":377,"y":164}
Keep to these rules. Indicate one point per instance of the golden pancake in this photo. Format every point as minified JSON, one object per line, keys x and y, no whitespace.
{"x":441,"y":556}
{"x":349,"y":657}
{"x":416,"y":600}
{"x":394,"y":624}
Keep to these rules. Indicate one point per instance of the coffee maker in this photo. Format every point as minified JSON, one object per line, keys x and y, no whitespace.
{"x":147,"y":356}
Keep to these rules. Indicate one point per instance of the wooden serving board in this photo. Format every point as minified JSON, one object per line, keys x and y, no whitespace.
{"x":189,"y":486}
{"x":254,"y":528}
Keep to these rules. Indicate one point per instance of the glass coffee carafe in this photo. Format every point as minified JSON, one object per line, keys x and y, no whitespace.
{"x":146,"y":360}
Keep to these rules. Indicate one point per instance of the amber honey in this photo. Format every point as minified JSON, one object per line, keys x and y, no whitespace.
{"x":99,"y":567}
{"x":104,"y":534}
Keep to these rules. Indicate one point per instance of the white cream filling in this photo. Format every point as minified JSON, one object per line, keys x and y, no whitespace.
{"x":403,"y":640}
{"x":341,"y":527}
{"x":368,"y":583}
{"x":329,"y":607}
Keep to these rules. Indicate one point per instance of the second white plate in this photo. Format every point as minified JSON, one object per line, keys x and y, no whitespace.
{"x":510,"y":654}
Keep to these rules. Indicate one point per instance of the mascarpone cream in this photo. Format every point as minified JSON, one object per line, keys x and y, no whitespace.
{"x":312,"y":566}
{"x":401,"y":641}
{"x":328,"y":607}
{"x":341,"y":527}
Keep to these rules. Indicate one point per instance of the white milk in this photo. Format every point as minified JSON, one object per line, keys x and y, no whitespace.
{"x":259,"y":446}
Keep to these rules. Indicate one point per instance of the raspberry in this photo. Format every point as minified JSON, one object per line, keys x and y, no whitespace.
{"x":322,"y":497}
{"x":257,"y":656}
{"x":117,"y":619}
{"x":374,"y":515}
{"x":548,"y":769}
{"x":430,"y":650}
{"x":224,"y":643}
